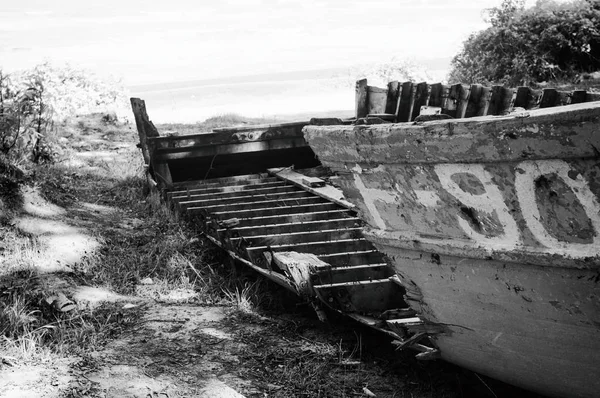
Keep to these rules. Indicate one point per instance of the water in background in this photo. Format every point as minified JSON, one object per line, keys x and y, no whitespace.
{"x":283,"y":99}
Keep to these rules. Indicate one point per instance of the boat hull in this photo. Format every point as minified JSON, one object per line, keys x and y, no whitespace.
{"x":493,"y":224}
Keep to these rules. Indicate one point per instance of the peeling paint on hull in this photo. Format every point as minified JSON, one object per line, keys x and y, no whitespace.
{"x":494,"y":224}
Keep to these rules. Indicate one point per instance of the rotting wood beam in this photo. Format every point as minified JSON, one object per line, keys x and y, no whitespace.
{"x":253,"y":206}
{"x":253,"y":190}
{"x":283,"y":210}
{"x":248,"y":189}
{"x":327,"y":192}
{"x":246,"y":199}
{"x":165,"y":154}
{"x":291,"y":227}
{"x":299,"y":217}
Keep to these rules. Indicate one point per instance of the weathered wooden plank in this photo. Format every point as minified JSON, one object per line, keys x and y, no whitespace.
{"x":365,"y":297}
{"x":461,"y":92}
{"x":230,"y":136}
{"x":299,"y":267}
{"x":500,"y":100}
{"x":276,"y":219}
{"x":214,"y":189}
{"x":233,"y":208}
{"x":325,"y":247}
{"x":484,"y":101}
{"x":353,"y":273}
{"x":164,"y":154}
{"x":228,"y":194}
{"x":327,"y":192}
{"x":549,"y":98}
{"x":578,"y":96}
{"x":407,"y":98}
{"x":208,"y":203}
{"x":376,"y":99}
{"x":523,"y":97}
{"x":361,"y":100}
{"x":475,"y":93}
{"x":270,"y":239}
{"x":421,"y":99}
{"x":435,"y":95}
{"x":145,"y":127}
{"x":251,"y":179}
{"x":590,"y":97}
{"x":391,"y":105}
{"x":301,"y":226}
{"x":283,"y":210}
{"x":344,"y":259}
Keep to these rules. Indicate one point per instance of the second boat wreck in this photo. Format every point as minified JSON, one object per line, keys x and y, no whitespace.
{"x":482,"y":235}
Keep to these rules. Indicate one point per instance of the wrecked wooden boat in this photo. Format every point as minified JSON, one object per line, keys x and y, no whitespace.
{"x":260,"y":193}
{"x":475,"y":239}
{"x":492,"y":223}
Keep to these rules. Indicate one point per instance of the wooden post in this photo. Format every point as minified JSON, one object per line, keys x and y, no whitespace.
{"x":391,"y":105}
{"x":578,"y":96}
{"x":475,"y":92}
{"x":523,"y":98}
{"x":445,"y":104}
{"x":435,"y":95}
{"x":421,"y":99}
{"x":484,"y":101}
{"x":362,"y":101}
{"x":146,"y":130}
{"x":407,"y":98}
{"x":549,"y":98}
{"x":376,"y":100}
{"x":462,"y":93}
{"x":500,"y":100}
{"x":144,"y":126}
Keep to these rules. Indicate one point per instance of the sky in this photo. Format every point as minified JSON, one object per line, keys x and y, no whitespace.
{"x":154,"y":41}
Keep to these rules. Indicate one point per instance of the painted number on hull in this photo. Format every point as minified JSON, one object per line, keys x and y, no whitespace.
{"x":526,"y":175}
{"x":489,"y":200}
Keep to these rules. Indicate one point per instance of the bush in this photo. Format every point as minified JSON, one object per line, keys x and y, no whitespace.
{"x":550,"y":41}
{"x":33,"y":100}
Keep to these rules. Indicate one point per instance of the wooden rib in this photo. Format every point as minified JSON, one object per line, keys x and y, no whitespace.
{"x":298,"y":226}
{"x":421,"y":99}
{"x":252,"y":190}
{"x":301,"y":237}
{"x":210,"y":184}
{"x":549,"y":98}
{"x":291,"y":194}
{"x":391,"y":104}
{"x":407,"y":97}
{"x":361,"y":99}
{"x":283,"y":210}
{"x":277,"y":219}
{"x":234,"y":208}
{"x":353,"y":273}
{"x":318,"y":248}
{"x":500,"y":100}
{"x":475,"y":92}
{"x":341,"y":259}
{"x":578,"y":96}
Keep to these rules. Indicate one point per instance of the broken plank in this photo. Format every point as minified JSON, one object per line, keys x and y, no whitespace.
{"x":327,"y":192}
{"x":299,"y":266}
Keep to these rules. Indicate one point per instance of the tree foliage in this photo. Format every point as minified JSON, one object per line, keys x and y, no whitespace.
{"x":32,"y":101}
{"x":549,"y":41}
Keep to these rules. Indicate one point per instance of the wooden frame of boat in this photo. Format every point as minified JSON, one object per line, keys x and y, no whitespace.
{"x":480,"y":243}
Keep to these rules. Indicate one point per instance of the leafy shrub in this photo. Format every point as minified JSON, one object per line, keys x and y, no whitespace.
{"x":33,"y":100}
{"x":550,"y":41}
